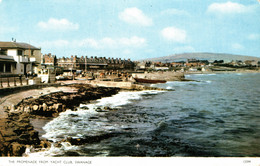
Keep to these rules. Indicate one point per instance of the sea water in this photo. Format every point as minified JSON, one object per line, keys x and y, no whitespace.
{"x":216,"y":115}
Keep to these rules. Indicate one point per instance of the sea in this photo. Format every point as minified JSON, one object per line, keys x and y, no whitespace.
{"x":216,"y":115}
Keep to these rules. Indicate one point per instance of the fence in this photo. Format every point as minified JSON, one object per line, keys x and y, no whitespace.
{"x":12,"y":81}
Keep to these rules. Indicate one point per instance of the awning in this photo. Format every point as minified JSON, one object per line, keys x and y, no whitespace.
{"x":7,"y":61}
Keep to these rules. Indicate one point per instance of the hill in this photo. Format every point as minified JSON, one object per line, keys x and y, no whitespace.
{"x":202,"y":56}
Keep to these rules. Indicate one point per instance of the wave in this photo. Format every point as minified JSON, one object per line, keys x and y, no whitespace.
{"x":211,"y":74}
{"x":53,"y":150}
{"x":79,"y":123}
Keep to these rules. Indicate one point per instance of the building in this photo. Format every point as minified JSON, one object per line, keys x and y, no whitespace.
{"x":94,"y":63}
{"x":49,"y":60}
{"x":178,"y":64}
{"x":251,"y":63}
{"x":196,"y":63}
{"x":19,"y":58}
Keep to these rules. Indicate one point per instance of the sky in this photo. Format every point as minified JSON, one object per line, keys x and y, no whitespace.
{"x":135,"y":29}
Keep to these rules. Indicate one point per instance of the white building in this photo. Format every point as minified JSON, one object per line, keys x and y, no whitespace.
{"x":19,"y":58}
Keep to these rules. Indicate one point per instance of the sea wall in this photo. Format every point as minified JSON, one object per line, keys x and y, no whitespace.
{"x":13,"y":89}
{"x":161,"y":75}
{"x":123,"y":85}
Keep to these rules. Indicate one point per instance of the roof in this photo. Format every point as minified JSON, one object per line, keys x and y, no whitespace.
{"x":7,"y":59}
{"x":17,"y":45}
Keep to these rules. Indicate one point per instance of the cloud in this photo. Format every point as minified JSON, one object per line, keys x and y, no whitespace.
{"x":88,"y":42}
{"x":0,"y":1}
{"x":253,"y":36}
{"x":104,"y":43}
{"x":132,"y":42}
{"x":237,"y":46}
{"x":56,"y":24}
{"x":174,"y":34}
{"x":228,"y":8}
{"x":135,"y":16}
{"x":175,"y":12}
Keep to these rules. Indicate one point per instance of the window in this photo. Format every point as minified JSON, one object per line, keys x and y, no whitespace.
{"x":1,"y":67}
{"x":8,"y":67}
{"x":20,"y":52}
{"x":3,"y":51}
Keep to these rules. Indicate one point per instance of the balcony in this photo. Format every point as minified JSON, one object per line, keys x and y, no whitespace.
{"x":24,"y":59}
{"x":33,"y":59}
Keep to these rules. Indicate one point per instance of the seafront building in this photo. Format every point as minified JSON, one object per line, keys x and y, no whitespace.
{"x":85,"y":63}
{"x":94,"y":63}
{"x":19,"y":58}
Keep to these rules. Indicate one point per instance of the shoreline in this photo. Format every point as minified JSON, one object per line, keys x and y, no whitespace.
{"x":221,"y":72}
{"x":29,"y":110}
{"x":21,"y":125}
{"x":18,"y":133}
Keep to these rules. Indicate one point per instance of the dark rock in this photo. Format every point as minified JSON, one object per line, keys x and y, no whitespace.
{"x":45,"y":144}
{"x":17,"y":149}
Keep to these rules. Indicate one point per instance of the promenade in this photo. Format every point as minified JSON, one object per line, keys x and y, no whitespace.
{"x":25,"y":92}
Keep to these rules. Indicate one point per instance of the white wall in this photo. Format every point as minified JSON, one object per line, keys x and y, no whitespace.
{"x":19,"y":59}
{"x":12,"y":52}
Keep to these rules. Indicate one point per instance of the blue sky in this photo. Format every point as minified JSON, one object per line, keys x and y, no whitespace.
{"x":133,"y":29}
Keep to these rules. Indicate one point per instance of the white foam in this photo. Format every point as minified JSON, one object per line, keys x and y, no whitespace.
{"x":53,"y":150}
{"x":211,"y":74}
{"x":76,"y":124}
{"x":170,"y":88}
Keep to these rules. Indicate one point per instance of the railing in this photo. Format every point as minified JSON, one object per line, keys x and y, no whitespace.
{"x":24,"y":59}
{"x":32,"y":59}
{"x":12,"y":81}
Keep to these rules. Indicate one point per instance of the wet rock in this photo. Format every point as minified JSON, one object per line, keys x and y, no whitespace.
{"x":45,"y":144}
{"x":101,"y":110}
{"x":84,"y":108}
{"x":18,"y":131}
{"x":17,"y":149}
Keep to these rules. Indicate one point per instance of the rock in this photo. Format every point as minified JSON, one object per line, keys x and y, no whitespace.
{"x":5,"y":107}
{"x":17,"y":149}
{"x":27,"y":109}
{"x":8,"y":132}
{"x":84,"y":108}
{"x":12,"y":108}
{"x":44,"y":107}
{"x":21,"y":109}
{"x":35,"y":107}
{"x":45,"y":144}
{"x":58,"y":107}
{"x":50,"y":108}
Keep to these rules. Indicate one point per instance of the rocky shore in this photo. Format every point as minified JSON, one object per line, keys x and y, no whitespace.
{"x":16,"y":131}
